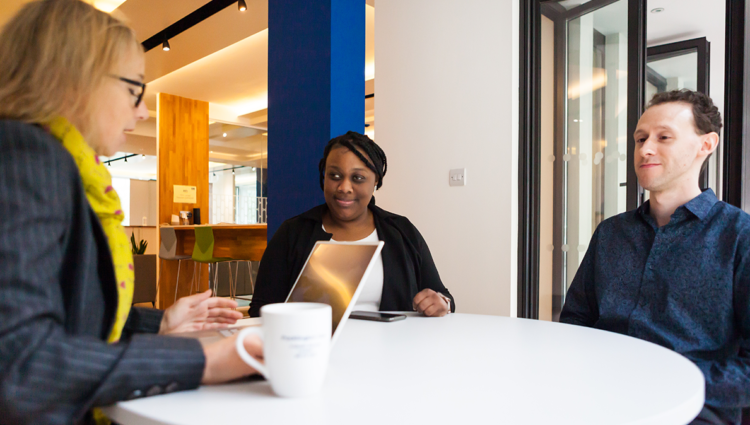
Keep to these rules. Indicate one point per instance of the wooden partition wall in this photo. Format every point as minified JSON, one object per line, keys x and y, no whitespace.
{"x":182,"y":155}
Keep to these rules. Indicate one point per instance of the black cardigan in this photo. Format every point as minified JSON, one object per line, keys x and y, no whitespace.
{"x":407,"y":264}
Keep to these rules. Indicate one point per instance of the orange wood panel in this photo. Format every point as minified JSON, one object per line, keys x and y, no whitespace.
{"x":182,"y":155}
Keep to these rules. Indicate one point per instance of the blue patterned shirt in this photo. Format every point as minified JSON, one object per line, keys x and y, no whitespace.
{"x":684,"y":286}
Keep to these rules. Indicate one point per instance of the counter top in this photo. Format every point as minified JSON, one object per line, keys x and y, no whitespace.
{"x":222,"y":226}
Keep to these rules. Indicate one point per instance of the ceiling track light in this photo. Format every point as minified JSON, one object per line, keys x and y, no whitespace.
{"x":241,"y":5}
{"x":126,"y":159}
{"x":232,"y":171}
{"x":165,"y":45}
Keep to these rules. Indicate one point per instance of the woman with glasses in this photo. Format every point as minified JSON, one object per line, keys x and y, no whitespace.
{"x":71,"y":86}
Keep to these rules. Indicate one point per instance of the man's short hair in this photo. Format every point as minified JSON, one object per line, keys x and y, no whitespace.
{"x":706,"y":116}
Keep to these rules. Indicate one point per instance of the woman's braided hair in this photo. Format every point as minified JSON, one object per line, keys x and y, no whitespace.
{"x":355,"y":142}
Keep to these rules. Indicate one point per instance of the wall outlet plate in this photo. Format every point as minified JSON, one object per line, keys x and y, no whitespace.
{"x":144,"y":222}
{"x":457,"y":177}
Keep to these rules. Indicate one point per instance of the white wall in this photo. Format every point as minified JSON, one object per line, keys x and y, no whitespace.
{"x":143,"y":202}
{"x":447,"y":97}
{"x":222,"y":197}
{"x":122,"y":187}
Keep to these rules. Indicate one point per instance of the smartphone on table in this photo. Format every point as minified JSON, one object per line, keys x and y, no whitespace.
{"x":376,"y":316}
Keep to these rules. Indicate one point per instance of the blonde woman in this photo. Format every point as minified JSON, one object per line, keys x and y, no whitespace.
{"x":71,"y":85}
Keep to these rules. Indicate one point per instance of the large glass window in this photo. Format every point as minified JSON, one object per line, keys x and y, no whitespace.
{"x":238,"y":174}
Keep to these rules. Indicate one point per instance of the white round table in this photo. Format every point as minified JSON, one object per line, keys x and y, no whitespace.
{"x":459,"y":369}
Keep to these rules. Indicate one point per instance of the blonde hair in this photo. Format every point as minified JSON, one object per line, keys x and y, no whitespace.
{"x":54,"y":54}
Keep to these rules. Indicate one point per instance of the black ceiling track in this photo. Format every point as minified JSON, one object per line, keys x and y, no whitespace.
{"x":204,"y":12}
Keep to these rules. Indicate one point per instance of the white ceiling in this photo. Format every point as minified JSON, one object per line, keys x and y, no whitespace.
{"x":685,"y":19}
{"x":221,"y":30}
{"x":217,"y":63}
{"x":236,"y":77}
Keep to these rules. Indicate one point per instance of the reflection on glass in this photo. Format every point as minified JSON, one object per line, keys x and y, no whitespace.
{"x":332,"y":276}
{"x":595,"y":134}
{"x":570,"y":4}
{"x":673,"y":73}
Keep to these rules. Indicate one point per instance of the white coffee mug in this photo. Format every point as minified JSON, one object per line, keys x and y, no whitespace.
{"x":296,"y":343}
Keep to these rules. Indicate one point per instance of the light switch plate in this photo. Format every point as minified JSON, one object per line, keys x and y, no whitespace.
{"x":457,"y":177}
{"x":144,"y":221}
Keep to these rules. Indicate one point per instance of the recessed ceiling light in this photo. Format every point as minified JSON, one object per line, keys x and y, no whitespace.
{"x":107,"y":5}
{"x":225,"y":134}
{"x":657,"y":10}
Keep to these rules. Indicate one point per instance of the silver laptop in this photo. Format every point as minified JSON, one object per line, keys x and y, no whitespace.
{"x":333,"y":274}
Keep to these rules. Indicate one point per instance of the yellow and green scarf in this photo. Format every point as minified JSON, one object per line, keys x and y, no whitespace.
{"x":97,"y":183}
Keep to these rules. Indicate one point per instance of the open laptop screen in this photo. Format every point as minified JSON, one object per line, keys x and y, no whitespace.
{"x":332,"y":275}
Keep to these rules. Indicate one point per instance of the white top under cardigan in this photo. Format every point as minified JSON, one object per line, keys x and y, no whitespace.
{"x":369,"y":298}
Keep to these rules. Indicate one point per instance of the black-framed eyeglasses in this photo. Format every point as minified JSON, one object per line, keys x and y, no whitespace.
{"x":137,"y":94}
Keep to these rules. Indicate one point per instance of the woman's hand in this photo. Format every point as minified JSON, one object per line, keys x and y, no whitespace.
{"x":430,"y":303}
{"x":199,"y":312}
{"x":223,"y":364}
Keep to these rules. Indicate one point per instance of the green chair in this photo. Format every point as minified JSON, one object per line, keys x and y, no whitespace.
{"x":203,"y":252}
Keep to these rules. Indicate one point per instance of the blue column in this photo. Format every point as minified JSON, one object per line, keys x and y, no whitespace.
{"x":316,"y":87}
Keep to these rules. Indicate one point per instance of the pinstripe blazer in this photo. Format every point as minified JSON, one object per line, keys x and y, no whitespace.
{"x":58,"y":298}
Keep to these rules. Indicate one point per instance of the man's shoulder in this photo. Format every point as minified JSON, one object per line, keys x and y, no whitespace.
{"x":727,"y":217}
{"x":627,"y":219}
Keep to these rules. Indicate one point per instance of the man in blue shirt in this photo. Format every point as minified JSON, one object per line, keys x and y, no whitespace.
{"x":676,"y":271}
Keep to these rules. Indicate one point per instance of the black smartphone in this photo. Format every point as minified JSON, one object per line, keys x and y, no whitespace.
{"x":376,"y":316}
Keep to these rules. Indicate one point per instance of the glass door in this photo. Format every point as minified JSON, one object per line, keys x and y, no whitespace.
{"x":584,"y":137}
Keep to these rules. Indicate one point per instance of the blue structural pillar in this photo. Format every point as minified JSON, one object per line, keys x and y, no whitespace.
{"x":316,"y":87}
